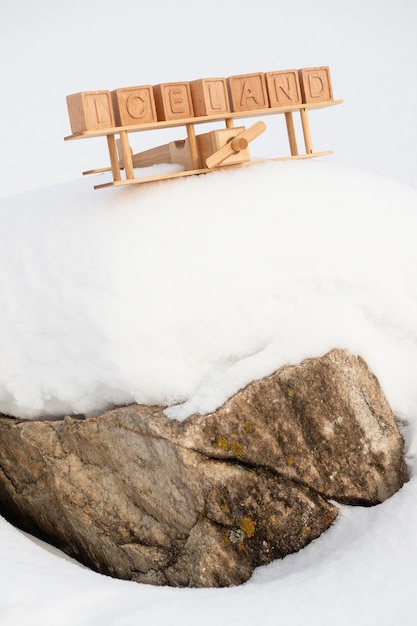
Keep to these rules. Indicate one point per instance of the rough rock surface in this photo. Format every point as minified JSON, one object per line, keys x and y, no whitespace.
{"x":202,"y":502}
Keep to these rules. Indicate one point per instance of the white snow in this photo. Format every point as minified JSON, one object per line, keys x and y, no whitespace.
{"x":183,"y":292}
{"x":180,"y":293}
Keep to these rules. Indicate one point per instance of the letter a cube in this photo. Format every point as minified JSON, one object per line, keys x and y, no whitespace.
{"x":248,"y":92}
{"x":316,"y":85}
{"x":90,"y":110}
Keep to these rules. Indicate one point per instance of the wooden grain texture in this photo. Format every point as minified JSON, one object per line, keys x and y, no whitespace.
{"x":305,"y":122}
{"x":188,"y":152}
{"x":209,"y":143}
{"x":316,"y":85}
{"x":229,"y":118}
{"x":190,"y":172}
{"x":227,"y":151}
{"x":192,"y":143}
{"x":248,"y":92}
{"x":172,"y":175}
{"x":283,"y":88}
{"x":180,"y":153}
{"x":173,"y":101}
{"x":172,"y":152}
{"x":134,"y":105}
{"x":210,"y":96}
{"x":90,"y":110}
{"x":292,"y":139}
{"x":239,"y":143}
{"x":127,"y":155}
{"x":153,"y":156}
{"x":114,"y":160}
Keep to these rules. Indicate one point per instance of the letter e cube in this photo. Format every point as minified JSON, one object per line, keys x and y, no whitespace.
{"x":248,"y":92}
{"x":316,"y":85}
{"x":134,"y":105}
{"x":283,"y":88}
{"x":173,"y":101}
{"x":90,"y":110}
{"x":210,"y":96}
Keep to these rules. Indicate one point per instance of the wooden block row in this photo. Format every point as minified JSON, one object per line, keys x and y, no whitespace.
{"x":275,"y":89}
{"x":145,"y":104}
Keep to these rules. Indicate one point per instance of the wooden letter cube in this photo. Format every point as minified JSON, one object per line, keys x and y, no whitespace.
{"x":248,"y":92}
{"x":90,"y":110}
{"x":173,"y":101}
{"x":134,"y":105}
{"x":283,"y":88}
{"x":210,"y":96}
{"x":316,"y":85}
{"x":208,"y":143}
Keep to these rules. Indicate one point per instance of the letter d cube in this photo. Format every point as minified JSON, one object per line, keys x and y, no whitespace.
{"x":316,"y":85}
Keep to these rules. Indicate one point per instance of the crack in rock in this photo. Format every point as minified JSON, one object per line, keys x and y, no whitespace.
{"x":135,"y":495}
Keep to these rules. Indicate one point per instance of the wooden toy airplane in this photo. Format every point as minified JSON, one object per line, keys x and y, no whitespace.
{"x":136,"y":109}
{"x":215,"y":149}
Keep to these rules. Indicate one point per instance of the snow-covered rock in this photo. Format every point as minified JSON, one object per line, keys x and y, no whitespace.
{"x":202,"y":502}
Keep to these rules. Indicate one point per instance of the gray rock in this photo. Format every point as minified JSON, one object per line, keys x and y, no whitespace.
{"x":202,"y":502}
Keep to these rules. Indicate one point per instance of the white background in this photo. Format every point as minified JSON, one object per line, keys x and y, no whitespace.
{"x":50,"y":49}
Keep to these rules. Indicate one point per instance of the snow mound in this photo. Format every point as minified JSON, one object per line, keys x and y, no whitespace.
{"x":180,"y":293}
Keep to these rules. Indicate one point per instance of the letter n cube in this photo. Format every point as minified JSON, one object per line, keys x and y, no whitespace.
{"x":90,"y":110}
{"x":283,"y":88}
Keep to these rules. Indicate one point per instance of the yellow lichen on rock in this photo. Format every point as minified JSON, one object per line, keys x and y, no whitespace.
{"x":248,"y":525}
{"x":222,"y":443}
{"x":237,"y":449}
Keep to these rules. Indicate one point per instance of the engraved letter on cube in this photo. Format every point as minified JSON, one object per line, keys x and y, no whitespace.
{"x":283,"y":88}
{"x":98,"y":107}
{"x":210,"y":96}
{"x":248,"y":92}
{"x":316,"y":84}
{"x":173,"y":101}
{"x":134,"y":105}
{"x":90,"y":110}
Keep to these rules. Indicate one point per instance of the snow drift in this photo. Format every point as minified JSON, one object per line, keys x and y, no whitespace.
{"x":180,"y":293}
